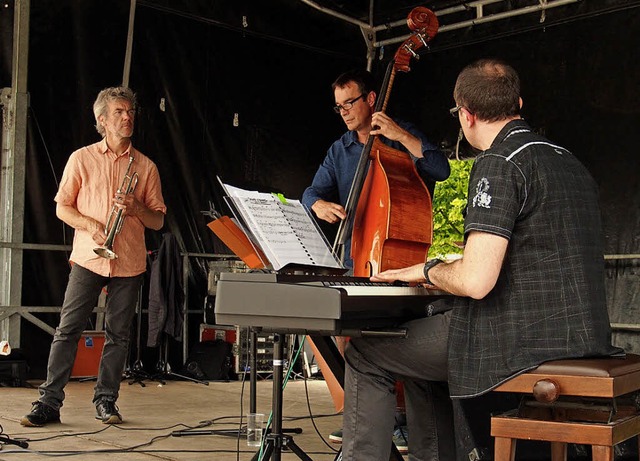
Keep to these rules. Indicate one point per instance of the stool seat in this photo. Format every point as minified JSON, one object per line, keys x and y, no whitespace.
{"x":601,"y":377}
{"x":583,"y":401}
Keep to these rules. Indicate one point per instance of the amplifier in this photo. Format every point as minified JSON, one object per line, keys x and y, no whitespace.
{"x":215,"y":268}
{"x":264,"y":352}
{"x":239,"y":338}
{"x":88,"y":355}
{"x":213,"y":332}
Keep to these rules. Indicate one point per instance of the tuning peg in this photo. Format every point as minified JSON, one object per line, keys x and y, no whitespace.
{"x":409,"y":48}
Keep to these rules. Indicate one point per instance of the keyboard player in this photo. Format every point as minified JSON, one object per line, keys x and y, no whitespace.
{"x":529,"y":287}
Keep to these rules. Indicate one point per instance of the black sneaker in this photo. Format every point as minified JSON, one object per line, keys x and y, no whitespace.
{"x":41,"y":414}
{"x":107,"y":412}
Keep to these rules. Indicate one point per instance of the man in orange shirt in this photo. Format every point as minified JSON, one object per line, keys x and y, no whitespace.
{"x":88,"y":193}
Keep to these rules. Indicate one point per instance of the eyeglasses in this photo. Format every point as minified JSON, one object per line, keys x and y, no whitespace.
{"x":347,"y":105}
{"x":454,"y":111}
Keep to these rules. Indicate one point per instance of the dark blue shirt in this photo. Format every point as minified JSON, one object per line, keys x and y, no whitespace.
{"x":333,"y":179}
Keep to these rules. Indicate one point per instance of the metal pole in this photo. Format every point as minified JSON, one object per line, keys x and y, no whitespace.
{"x":128,"y":52}
{"x":14,"y":103}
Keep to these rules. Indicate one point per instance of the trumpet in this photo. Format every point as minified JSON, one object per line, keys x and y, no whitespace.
{"x":116,"y":217}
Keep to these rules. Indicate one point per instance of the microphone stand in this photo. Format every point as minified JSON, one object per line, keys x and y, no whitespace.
{"x":164,"y":370}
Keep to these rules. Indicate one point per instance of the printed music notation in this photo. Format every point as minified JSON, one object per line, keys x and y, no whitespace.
{"x":282,"y":228}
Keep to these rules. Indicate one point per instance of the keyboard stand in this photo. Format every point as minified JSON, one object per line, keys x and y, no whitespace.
{"x":275,"y":440}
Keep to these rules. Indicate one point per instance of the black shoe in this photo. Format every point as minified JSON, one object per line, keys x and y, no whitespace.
{"x":107,"y":412}
{"x":41,"y":414}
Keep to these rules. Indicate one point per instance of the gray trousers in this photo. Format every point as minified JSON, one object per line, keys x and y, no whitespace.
{"x":372,"y":367}
{"x":80,"y":298}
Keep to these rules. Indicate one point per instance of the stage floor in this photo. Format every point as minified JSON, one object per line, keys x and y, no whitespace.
{"x":153,"y":412}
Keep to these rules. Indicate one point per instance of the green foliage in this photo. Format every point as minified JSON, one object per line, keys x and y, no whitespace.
{"x":449,"y":200}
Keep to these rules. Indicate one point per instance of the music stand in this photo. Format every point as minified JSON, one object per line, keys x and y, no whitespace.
{"x":137,"y":373}
{"x":276,"y":440}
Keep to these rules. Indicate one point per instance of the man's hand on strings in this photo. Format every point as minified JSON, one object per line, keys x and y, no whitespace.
{"x":384,"y":125}
{"x":328,"y":211}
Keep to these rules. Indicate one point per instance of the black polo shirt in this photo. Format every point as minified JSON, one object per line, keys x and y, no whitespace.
{"x":549,"y":300}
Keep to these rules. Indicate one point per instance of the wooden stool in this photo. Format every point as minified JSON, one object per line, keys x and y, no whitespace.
{"x":582,"y":401}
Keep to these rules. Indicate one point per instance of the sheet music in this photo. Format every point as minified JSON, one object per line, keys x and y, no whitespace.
{"x":284,"y":230}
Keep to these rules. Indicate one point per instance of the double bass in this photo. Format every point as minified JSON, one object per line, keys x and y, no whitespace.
{"x":392,"y":226}
{"x":389,"y":209}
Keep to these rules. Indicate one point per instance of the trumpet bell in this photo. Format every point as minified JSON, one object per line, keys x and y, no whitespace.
{"x":105,"y":252}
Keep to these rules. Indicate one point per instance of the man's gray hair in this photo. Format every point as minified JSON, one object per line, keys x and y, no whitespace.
{"x":111,"y":94}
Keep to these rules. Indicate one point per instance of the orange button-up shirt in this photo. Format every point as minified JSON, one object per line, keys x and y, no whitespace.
{"x":89,"y":182}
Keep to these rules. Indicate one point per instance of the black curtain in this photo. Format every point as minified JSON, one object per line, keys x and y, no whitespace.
{"x":241,"y":90}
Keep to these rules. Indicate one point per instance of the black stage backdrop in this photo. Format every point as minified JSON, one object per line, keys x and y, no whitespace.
{"x":197,"y":66}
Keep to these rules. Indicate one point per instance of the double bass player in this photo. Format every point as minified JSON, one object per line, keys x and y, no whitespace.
{"x":355,"y":101}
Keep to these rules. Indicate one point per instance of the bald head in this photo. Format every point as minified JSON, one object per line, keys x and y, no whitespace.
{"x":489,"y":89}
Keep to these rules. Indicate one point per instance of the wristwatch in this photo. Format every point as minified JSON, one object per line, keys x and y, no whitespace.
{"x":428,"y":265}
